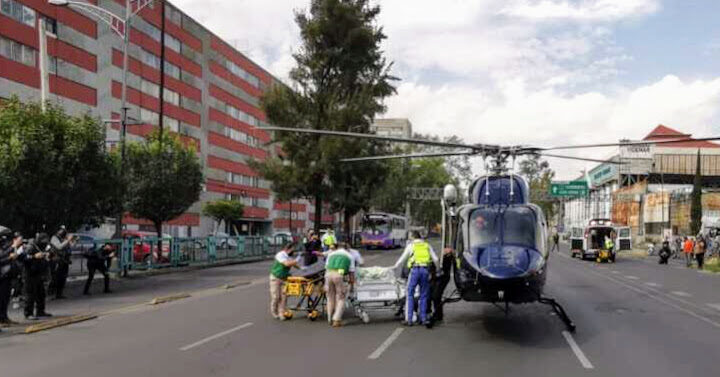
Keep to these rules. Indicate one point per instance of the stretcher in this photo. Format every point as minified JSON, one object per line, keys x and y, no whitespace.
{"x":376,"y":289}
{"x":305,"y":288}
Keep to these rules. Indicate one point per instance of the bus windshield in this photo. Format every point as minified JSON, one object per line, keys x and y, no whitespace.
{"x":514,"y":226}
{"x":376,"y":226}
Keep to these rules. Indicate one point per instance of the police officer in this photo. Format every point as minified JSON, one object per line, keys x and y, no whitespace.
{"x":61,"y":243}
{"x":35,"y":263}
{"x":8,"y":254}
{"x":419,"y":256}
{"x":97,"y":261}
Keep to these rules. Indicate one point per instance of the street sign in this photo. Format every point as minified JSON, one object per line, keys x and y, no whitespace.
{"x":564,"y":189}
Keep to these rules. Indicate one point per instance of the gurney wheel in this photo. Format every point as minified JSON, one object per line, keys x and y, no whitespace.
{"x":288,"y":314}
{"x":365,"y":317}
{"x":313,"y":315}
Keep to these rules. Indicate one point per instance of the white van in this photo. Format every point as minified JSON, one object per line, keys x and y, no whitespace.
{"x":586,"y":243}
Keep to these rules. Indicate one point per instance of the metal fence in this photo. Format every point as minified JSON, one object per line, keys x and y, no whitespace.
{"x":143,"y":253}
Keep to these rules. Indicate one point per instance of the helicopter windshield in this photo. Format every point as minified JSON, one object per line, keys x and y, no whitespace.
{"x":514,"y":225}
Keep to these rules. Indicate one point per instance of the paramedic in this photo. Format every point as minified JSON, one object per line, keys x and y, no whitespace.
{"x":279,"y":271}
{"x":339,"y":263}
{"x":418,"y":254}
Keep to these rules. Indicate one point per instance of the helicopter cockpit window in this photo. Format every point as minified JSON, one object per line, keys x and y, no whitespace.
{"x":520,"y":228}
{"x":514,"y":226}
{"x":484,"y":227}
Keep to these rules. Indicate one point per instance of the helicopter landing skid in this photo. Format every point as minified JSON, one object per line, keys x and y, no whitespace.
{"x":559,"y":310}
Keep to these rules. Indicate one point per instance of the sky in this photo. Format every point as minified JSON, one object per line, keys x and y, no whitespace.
{"x":529,"y":72}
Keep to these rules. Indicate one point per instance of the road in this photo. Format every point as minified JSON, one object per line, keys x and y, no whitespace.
{"x":634,"y":318}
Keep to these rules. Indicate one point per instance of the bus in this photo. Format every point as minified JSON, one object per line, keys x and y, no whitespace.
{"x":385,"y":230}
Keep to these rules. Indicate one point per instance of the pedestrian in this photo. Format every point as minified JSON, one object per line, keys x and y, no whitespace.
{"x":700,"y":249}
{"x":279,"y":272}
{"x":688,"y":250}
{"x":97,"y":261}
{"x":440,"y":283}
{"x":61,"y":261}
{"x":328,"y":239}
{"x":357,"y":257}
{"x":338,"y":264}
{"x":664,"y":253}
{"x":418,"y":256}
{"x":35,"y":262}
{"x":8,"y":254}
{"x":313,"y":248}
{"x":556,"y":242}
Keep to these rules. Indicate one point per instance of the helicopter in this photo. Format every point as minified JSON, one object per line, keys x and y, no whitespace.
{"x":499,"y":236}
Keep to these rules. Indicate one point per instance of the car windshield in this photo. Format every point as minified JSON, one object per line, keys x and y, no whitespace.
{"x":376,"y":226}
{"x":514,"y":226}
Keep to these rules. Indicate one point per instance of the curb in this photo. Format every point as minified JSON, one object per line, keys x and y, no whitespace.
{"x":58,"y":323}
{"x":165,"y":299}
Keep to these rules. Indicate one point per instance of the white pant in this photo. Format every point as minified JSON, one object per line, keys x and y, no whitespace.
{"x":335,"y":293}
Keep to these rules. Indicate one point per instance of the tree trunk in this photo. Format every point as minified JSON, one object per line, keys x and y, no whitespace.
{"x":346,"y":226}
{"x":318,"y":213}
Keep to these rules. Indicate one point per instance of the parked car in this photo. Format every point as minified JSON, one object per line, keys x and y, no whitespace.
{"x":225,"y":241}
{"x":142,"y":250}
{"x":83,"y":243}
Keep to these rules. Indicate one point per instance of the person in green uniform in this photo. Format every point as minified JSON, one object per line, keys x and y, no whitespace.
{"x":279,"y":271}
{"x":339,"y":263}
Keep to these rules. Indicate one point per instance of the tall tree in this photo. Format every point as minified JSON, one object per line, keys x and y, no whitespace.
{"x":696,"y":199}
{"x":53,"y":169}
{"x":539,"y":176}
{"x":228,"y":211}
{"x":164,"y":178}
{"x":339,"y":81}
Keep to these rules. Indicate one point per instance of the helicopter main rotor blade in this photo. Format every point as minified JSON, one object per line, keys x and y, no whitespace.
{"x":477,"y":147}
{"x":413,"y":155}
{"x":628,"y":143}
{"x":581,"y":159}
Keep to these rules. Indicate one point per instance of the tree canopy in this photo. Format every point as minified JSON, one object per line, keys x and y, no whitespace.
{"x":164,"y":178}
{"x":53,"y":169}
{"x":228,"y":211}
{"x":339,"y":82}
{"x":539,"y":176}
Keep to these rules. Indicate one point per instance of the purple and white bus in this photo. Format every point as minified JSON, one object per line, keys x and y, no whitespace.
{"x":379,"y":229}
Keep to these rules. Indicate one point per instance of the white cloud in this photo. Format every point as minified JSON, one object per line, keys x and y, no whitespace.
{"x":585,"y":10}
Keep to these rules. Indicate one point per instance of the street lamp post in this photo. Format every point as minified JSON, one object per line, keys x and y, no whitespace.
{"x":119,"y":25}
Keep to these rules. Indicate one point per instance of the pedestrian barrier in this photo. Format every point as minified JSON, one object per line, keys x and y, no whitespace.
{"x":146,"y":253}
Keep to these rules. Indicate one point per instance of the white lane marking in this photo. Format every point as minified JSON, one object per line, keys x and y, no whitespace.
{"x":681,"y":293}
{"x":213,"y":337}
{"x":656,"y":285}
{"x":657,"y":298}
{"x":387,"y":343}
{"x":614,"y":272}
{"x":631,"y":277}
{"x":714,"y":306}
{"x":577,"y":351}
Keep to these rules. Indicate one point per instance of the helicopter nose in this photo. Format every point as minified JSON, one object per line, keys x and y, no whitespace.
{"x":505,"y":261}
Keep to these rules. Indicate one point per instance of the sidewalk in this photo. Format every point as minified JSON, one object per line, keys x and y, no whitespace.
{"x":139,"y":288}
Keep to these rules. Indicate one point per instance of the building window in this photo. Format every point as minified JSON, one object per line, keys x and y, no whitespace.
{"x":240,"y":115}
{"x":150,"y":59}
{"x":50,"y":25}
{"x":236,"y":135}
{"x":53,"y":65}
{"x":171,"y":124}
{"x":150,"y":88}
{"x":171,"y":97}
{"x":18,"y":12}
{"x":17,"y":52}
{"x":172,"y":42}
{"x":243,"y":74}
{"x":173,"y":14}
{"x":153,"y":32}
{"x":172,"y":70}
{"x":149,"y":117}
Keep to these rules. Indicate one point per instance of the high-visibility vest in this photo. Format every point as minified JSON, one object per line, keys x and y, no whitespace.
{"x":609,"y":244}
{"x":329,"y":239}
{"x":420,"y":255}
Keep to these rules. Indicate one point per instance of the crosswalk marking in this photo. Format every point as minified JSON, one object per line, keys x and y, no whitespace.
{"x":631,"y":277}
{"x":714,"y":306}
{"x":653,"y":284}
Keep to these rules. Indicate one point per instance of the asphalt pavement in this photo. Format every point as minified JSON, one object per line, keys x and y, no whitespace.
{"x":634,"y":318}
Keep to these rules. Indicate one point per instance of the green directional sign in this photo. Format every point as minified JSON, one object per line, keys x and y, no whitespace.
{"x":564,"y":189}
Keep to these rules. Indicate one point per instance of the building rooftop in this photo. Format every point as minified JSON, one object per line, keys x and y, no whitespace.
{"x":662,"y":132}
